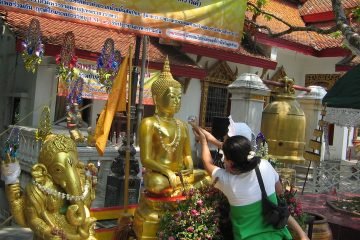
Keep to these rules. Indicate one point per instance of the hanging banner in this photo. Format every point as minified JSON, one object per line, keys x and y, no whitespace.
{"x":208,"y":22}
{"x":91,"y":87}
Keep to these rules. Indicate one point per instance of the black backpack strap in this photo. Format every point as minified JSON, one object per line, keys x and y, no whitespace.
{"x":261,"y":183}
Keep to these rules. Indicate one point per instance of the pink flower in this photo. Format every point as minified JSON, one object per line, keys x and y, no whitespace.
{"x":200,"y":203}
{"x":194,"y":212}
{"x":171,"y":238}
{"x":190,"y":229}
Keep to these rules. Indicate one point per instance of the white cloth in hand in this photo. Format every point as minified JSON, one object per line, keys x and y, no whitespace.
{"x":10,"y":172}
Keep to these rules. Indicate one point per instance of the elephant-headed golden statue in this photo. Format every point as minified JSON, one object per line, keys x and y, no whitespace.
{"x":55,"y":205}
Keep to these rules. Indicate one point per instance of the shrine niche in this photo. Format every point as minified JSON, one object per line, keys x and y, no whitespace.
{"x":215,"y":100}
{"x":324,"y":80}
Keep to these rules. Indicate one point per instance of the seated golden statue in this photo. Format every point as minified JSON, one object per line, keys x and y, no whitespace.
{"x":55,"y":205}
{"x":74,"y":121}
{"x":165,"y":154}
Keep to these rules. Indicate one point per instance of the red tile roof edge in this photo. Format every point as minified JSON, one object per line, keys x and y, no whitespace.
{"x":230,"y":56}
{"x":297,"y":47}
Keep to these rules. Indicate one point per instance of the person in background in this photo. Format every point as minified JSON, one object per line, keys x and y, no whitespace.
{"x":239,"y":183}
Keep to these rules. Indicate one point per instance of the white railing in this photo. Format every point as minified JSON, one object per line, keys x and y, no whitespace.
{"x":341,"y":176}
{"x":29,"y":149}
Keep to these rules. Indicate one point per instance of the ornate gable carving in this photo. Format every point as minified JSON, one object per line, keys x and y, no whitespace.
{"x":324,"y":80}
{"x":221,"y":73}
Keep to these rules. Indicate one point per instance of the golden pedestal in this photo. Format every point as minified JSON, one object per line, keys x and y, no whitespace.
{"x":147,"y":215}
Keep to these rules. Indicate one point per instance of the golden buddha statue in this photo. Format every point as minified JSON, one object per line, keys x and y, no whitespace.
{"x":165,"y":154}
{"x":55,"y":205}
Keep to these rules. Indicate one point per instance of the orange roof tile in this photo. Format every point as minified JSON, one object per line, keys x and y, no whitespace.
{"x":287,"y":11}
{"x":290,"y":13}
{"x":320,"y":6}
{"x":321,"y":41}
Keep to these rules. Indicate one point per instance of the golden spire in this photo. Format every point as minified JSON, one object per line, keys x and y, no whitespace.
{"x":166,"y":67}
{"x":44,"y":124}
{"x":164,"y":81}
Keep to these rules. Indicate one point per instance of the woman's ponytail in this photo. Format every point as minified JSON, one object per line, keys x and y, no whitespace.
{"x":238,"y":150}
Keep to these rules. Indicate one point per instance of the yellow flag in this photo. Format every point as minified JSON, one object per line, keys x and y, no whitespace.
{"x":116,"y":102}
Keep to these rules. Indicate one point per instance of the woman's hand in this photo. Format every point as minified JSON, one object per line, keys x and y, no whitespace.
{"x":199,"y":134}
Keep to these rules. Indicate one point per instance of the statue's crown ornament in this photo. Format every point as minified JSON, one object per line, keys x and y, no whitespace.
{"x":164,"y":81}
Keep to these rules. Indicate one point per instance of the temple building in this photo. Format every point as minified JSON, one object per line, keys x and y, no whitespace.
{"x":311,"y":59}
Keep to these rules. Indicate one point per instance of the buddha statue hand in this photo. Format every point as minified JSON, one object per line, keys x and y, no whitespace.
{"x":187,"y":172}
{"x":10,"y":171}
{"x":172,"y":178}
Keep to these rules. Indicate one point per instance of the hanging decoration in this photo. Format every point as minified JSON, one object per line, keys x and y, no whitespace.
{"x":108,"y":64}
{"x":33,"y":49}
{"x":75,"y":93}
{"x":12,"y":144}
{"x":67,"y":60}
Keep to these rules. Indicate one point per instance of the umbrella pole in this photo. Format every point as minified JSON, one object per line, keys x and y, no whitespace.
{"x":125,"y":230}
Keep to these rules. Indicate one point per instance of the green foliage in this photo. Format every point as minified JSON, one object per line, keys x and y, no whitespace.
{"x":356,"y":14}
{"x":199,"y":217}
{"x":336,"y":34}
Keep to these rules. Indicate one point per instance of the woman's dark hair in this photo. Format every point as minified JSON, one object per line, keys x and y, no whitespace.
{"x":237,"y":149}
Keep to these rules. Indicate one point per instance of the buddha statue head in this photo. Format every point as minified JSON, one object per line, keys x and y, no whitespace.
{"x":166,"y":91}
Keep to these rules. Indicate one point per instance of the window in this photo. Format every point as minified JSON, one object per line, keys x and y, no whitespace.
{"x":215,"y":100}
{"x":217,"y":103}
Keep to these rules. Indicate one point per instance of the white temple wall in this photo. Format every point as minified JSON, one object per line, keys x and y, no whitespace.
{"x":190,"y":103}
{"x":45,"y":91}
{"x":96,"y":109}
{"x":15,"y":82}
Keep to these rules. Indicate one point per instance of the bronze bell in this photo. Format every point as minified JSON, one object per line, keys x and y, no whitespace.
{"x":283,"y":125}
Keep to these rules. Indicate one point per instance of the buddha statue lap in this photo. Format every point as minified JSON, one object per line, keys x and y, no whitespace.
{"x":165,"y":154}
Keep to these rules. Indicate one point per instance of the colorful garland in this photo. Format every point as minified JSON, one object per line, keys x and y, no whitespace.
{"x":108,"y":64}
{"x":65,"y":72}
{"x":75,"y":94}
{"x":33,"y":49}
{"x":12,"y":143}
{"x":67,"y":60}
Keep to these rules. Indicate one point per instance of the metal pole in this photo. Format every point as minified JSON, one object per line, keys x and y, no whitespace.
{"x":128,"y":133}
{"x":140,"y":107}
{"x":135,"y":70}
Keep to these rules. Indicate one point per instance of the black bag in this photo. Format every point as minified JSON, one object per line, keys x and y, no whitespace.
{"x":276,"y":215}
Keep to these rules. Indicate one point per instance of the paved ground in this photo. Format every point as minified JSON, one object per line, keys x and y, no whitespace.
{"x":15,"y":233}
